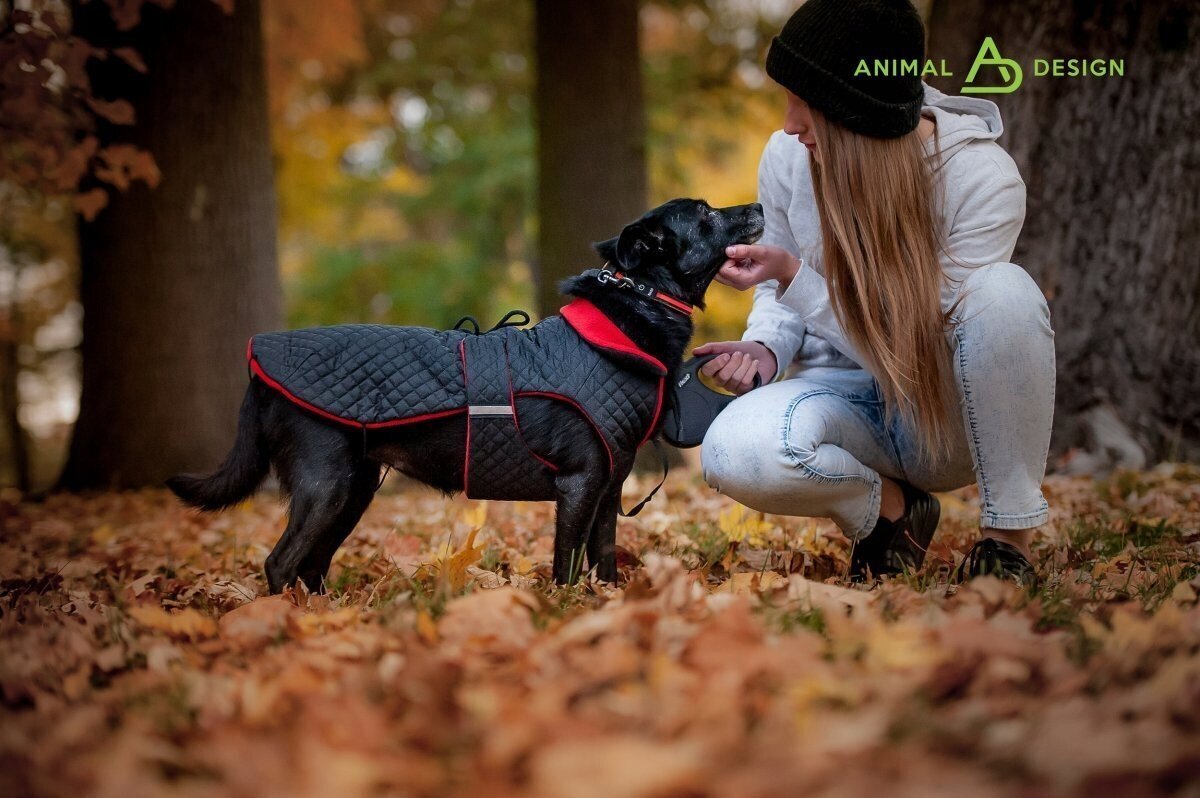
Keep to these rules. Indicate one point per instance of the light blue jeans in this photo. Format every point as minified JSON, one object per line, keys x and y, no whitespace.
{"x":816,"y":444}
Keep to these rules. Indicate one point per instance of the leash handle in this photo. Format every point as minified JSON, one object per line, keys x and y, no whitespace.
{"x":637,"y":508}
{"x":504,"y":322}
{"x":692,"y":406}
{"x":458,"y":324}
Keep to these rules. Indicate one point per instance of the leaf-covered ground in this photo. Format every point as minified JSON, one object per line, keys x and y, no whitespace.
{"x":139,"y":656}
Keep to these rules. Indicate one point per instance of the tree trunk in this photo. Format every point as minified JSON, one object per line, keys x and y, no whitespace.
{"x":591,"y":133}
{"x":10,"y":397}
{"x":1112,"y":168}
{"x":175,"y":279}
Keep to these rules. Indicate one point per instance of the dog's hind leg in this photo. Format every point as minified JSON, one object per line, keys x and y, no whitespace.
{"x":324,"y":509}
{"x":322,"y":468}
{"x":602,"y":542}
{"x":326,"y":505}
{"x":362,"y":485}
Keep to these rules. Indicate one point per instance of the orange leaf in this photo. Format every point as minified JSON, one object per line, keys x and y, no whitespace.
{"x":119,"y":112}
{"x":454,"y":567}
{"x":132,"y":57}
{"x":90,"y":203}
{"x":426,"y":628}
{"x":74,"y":163}
{"x":142,"y":167}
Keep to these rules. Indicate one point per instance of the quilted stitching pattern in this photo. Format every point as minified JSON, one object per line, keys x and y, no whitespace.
{"x":373,"y":374}
{"x":500,"y":465}
{"x":366,"y":373}
{"x":552,"y":358}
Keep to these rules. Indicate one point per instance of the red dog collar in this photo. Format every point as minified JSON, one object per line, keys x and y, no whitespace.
{"x":622,"y":280}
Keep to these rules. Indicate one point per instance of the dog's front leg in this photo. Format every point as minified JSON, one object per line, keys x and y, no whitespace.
{"x":602,"y":543}
{"x":579,"y":495}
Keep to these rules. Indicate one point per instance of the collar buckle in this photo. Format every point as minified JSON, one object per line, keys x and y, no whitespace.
{"x":617,"y":279}
{"x":622,"y":280}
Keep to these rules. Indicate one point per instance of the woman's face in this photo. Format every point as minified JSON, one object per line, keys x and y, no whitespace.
{"x":798,"y":122}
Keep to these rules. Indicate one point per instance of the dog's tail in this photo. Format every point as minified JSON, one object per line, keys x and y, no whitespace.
{"x":243,"y":471}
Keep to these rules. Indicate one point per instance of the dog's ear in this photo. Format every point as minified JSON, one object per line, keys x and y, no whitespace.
{"x":607,"y":250}
{"x":637,"y":246}
{"x":627,"y":250}
{"x":633,"y":245}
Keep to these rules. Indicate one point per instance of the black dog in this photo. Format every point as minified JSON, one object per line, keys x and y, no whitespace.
{"x":655,"y":271}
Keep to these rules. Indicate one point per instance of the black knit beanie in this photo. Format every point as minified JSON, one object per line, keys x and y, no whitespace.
{"x":821,"y":45}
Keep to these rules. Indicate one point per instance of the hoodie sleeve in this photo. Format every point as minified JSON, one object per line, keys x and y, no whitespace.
{"x":774,"y":325}
{"x":984,"y":230}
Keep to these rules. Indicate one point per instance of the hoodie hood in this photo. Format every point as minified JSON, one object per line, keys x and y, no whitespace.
{"x":960,"y":120}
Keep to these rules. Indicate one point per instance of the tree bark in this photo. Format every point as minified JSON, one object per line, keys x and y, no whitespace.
{"x":1112,"y":169}
{"x":175,"y":279}
{"x":10,"y":399}
{"x":591,"y":133}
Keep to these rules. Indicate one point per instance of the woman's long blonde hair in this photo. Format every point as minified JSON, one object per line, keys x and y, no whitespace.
{"x":881,"y":226}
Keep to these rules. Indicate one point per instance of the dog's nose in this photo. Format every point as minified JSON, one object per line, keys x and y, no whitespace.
{"x":755,"y":207}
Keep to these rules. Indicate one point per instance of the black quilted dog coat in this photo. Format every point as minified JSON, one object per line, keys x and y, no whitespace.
{"x":376,"y":376}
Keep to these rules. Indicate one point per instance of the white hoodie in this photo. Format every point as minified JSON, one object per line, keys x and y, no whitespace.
{"x":982,"y":217}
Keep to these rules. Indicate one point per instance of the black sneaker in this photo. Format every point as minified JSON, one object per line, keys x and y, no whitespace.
{"x":893,"y":547}
{"x":991,"y":557}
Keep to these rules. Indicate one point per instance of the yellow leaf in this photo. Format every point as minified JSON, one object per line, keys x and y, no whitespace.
{"x":426,"y":628}
{"x":186,"y":624}
{"x":103,"y":534}
{"x":311,"y":623}
{"x":453,"y":569}
{"x":749,"y":583}
{"x":739,"y":523}
{"x":476,"y":515}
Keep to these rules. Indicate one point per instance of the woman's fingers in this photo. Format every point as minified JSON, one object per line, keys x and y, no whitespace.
{"x":727,"y":375}
{"x":732,"y":369}
{"x":736,"y":275}
{"x":744,"y":378}
{"x":756,"y":252}
{"x":716,"y":347}
{"x":716,"y":364}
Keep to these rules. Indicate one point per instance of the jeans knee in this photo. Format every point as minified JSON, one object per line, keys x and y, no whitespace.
{"x":736,"y":456}
{"x":716,"y":457}
{"x":805,"y":428}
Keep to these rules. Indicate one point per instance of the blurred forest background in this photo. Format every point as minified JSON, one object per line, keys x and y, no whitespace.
{"x":176,"y":176}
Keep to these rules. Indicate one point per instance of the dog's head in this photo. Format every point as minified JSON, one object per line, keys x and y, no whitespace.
{"x":679,"y":246}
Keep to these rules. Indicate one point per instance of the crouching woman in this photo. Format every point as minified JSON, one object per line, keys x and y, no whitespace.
{"x":901,"y":352}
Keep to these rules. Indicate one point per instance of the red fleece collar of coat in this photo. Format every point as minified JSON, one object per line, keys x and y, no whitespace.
{"x":600,"y":331}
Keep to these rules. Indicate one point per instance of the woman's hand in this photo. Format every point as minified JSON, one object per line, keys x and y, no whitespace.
{"x":751,"y":264}
{"x":736,"y":362}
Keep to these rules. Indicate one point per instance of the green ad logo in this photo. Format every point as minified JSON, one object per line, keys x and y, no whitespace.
{"x":989,"y":55}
